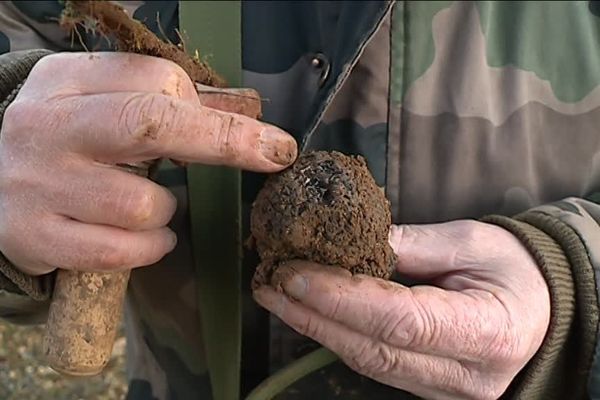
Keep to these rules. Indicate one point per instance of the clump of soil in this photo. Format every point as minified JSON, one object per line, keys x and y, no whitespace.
{"x":132,"y":36}
{"x":326,"y":208}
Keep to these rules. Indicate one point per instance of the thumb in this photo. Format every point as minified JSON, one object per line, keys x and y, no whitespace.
{"x":239,"y":101}
{"x":428,"y":251}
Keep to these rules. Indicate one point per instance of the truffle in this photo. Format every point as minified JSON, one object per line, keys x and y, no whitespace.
{"x":325,"y":208}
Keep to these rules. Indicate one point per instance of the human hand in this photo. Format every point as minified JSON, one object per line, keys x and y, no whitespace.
{"x":467,"y":334}
{"x":64,"y":202}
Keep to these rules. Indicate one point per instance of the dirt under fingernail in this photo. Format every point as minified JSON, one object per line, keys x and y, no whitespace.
{"x":277,"y":146}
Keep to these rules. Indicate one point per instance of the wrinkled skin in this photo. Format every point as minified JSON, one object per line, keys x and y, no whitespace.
{"x":64,"y":202}
{"x":465,"y":338}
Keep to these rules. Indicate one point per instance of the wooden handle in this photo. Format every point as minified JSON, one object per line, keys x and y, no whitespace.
{"x":82,"y":324}
{"x":85,"y":312}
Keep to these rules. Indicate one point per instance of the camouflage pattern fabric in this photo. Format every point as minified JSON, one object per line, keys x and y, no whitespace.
{"x":462,"y":109}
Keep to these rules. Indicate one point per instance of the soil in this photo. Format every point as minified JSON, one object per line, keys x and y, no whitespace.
{"x":132,"y":36}
{"x":326,"y":208}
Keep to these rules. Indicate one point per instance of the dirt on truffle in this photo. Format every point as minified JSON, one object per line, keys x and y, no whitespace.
{"x":326,"y":208}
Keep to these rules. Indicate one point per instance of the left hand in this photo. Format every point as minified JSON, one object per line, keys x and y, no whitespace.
{"x":466,"y":335}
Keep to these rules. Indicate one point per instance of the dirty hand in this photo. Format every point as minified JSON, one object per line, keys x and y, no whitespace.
{"x":466,"y":336}
{"x":63,"y":200}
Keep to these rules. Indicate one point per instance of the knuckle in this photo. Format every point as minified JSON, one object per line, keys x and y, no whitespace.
{"x":135,"y":206}
{"x":177,"y":83}
{"x":18,"y":118}
{"x":41,"y":241}
{"x":507,"y":349}
{"x":470,"y":231}
{"x":11,"y":179}
{"x":311,"y":328}
{"x":423,"y":329}
{"x":22,"y":250}
{"x":226,"y":138}
{"x":142,"y":207}
{"x":373,"y":360}
{"x":482,"y":236}
{"x":20,"y":186}
{"x":499,"y":342}
{"x":400,"y":328}
{"x":144,"y":117}
{"x":32,"y":122}
{"x":335,"y":306}
{"x":456,"y":379}
{"x":48,"y":65}
{"x":111,"y":256}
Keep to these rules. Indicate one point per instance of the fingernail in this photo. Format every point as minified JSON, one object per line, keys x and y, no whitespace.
{"x":270,"y":300}
{"x":277,"y":146}
{"x":297,"y":287}
{"x":173,"y":243}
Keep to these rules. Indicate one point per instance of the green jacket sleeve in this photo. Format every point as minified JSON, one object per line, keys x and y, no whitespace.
{"x":23,"y":298}
{"x":564,"y":238}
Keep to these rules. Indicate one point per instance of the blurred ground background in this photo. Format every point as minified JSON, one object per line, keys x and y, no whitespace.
{"x":23,"y":375}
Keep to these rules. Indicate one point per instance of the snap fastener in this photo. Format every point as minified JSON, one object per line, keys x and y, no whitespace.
{"x":320,"y":61}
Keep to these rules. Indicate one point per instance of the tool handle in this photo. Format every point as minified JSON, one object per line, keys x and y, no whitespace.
{"x":83,"y":319}
{"x":85,"y":312}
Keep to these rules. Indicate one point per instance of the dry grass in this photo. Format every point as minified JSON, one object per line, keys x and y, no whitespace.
{"x":24,"y":376}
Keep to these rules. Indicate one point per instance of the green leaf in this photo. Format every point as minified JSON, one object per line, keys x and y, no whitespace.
{"x":214,"y":28}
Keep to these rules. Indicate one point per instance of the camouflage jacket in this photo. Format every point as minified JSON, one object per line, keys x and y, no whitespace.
{"x":462,"y":109}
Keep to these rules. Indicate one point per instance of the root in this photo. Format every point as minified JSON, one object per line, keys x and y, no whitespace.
{"x":132,"y":36}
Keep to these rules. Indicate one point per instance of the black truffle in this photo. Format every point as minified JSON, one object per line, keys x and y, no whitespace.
{"x":325,"y":208}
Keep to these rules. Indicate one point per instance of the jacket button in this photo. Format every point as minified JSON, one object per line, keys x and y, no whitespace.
{"x":319,"y":61}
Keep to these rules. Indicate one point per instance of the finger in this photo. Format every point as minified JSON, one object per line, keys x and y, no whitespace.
{"x":423,"y":251}
{"x":463,"y":325}
{"x":74,"y":245}
{"x":238,"y":101}
{"x":420,"y":374}
{"x":107,"y":72}
{"x":136,"y":126}
{"x":429,"y":251}
{"x":101,"y":194}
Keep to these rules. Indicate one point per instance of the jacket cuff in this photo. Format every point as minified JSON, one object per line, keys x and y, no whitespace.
{"x":13,"y":281}
{"x":20,"y":287}
{"x":560,"y":369}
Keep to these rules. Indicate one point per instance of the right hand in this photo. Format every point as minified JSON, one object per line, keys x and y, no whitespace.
{"x":63,"y":200}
